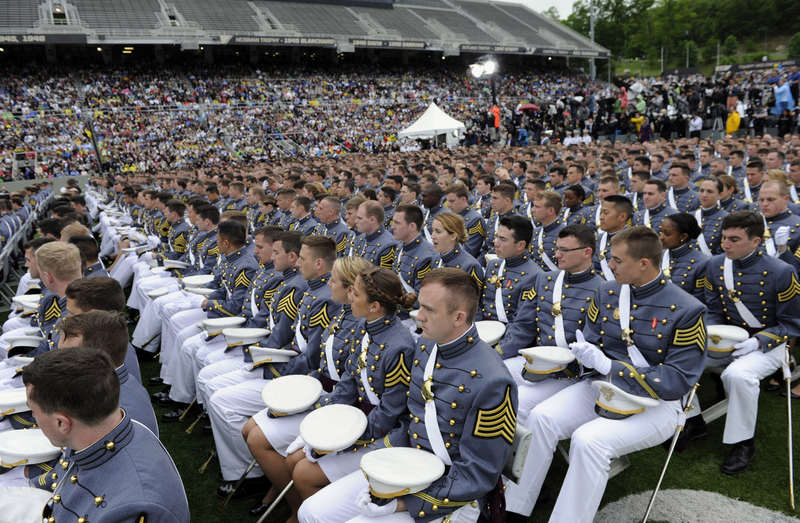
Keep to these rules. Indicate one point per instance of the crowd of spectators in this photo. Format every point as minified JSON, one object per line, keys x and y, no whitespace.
{"x":155,"y":117}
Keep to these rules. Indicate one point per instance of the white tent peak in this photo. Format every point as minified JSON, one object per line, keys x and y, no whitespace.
{"x":433,"y":122}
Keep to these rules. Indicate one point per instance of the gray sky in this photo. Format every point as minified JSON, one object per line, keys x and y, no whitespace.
{"x":564,"y":6}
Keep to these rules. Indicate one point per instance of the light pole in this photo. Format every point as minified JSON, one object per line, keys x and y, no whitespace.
{"x":592,"y":71}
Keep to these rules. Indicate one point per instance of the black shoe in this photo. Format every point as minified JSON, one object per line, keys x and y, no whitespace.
{"x":250,"y":488}
{"x":167,"y":402}
{"x":794,"y":396}
{"x":774,"y":387}
{"x":155,"y":380}
{"x":207,"y":430}
{"x":739,"y":459}
{"x":259,"y":508}
{"x":694,"y":429}
{"x":160,"y":395}
{"x":176,"y":413}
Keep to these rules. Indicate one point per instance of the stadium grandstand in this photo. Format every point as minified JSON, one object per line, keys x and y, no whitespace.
{"x":446,"y":26}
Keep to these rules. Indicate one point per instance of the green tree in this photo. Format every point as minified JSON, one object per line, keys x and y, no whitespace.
{"x":731,"y":46}
{"x":552,"y":12}
{"x":693,"y":53}
{"x":710,"y":49}
{"x":794,"y":46}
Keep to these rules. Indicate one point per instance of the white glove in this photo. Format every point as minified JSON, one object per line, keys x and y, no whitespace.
{"x":296,"y":445}
{"x":781,"y":236}
{"x":365,"y":504}
{"x":745,"y":347}
{"x":578,"y":348}
{"x":594,"y":358}
{"x":309,"y":452}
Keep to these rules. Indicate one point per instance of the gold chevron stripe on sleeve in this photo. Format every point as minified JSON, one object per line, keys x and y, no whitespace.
{"x":54,"y":311}
{"x":213,"y":251}
{"x":791,"y":292}
{"x":498,"y":421}
{"x":287,"y":305}
{"x":691,"y":336}
{"x":477,"y":229}
{"x":269,"y":293}
{"x":424,"y":271}
{"x":387,"y":260}
{"x":400,"y":374}
{"x":342,"y":245}
{"x":477,"y":278}
{"x":593,"y":311}
{"x":530,"y":294}
{"x":320,"y":319}
{"x":242,"y":280}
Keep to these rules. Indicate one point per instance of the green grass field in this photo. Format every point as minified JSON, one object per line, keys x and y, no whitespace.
{"x":765,"y":484}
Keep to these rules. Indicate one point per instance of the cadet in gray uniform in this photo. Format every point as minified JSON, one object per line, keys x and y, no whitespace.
{"x":655,"y":208}
{"x":448,"y":237}
{"x":329,"y":212}
{"x":748,"y":288}
{"x":679,"y":196}
{"x":512,"y":273}
{"x":414,"y":258}
{"x":709,"y":217}
{"x":123,"y":475}
{"x":546,"y":210}
{"x":452,"y":367}
{"x":457,"y":200}
{"x":550,"y":311}
{"x":684,"y":266}
{"x":375,"y":243}
{"x":644,"y":335}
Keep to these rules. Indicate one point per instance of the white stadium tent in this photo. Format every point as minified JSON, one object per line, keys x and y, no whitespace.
{"x":433,"y":123}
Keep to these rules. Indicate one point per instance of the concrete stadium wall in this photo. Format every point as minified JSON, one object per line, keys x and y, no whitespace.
{"x":58,"y":183}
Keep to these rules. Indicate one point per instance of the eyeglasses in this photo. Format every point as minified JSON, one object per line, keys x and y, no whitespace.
{"x":565,"y":251}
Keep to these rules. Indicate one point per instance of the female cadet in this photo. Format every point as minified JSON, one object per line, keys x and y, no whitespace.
{"x":268,"y":437}
{"x":684,"y":265}
{"x":449,"y":235}
{"x":376,"y":379}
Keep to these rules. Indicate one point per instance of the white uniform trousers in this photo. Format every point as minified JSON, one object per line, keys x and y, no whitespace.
{"x":595,"y":441}
{"x":176,"y":316}
{"x":742,"y":378}
{"x":529,"y":393}
{"x":148,"y":328}
{"x":174,"y":367}
{"x":214,"y":369}
{"x":141,"y":271}
{"x":229,"y":409}
{"x":123,"y":269}
{"x":185,"y":365}
{"x":337,"y":502}
{"x":151,"y":283}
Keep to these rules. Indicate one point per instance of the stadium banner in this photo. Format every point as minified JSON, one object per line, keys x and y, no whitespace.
{"x":680,"y":71}
{"x":387,"y":44}
{"x":42,"y":39}
{"x":548,"y":51}
{"x":755,"y":66}
{"x":511,"y":49}
{"x":282,"y":40}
